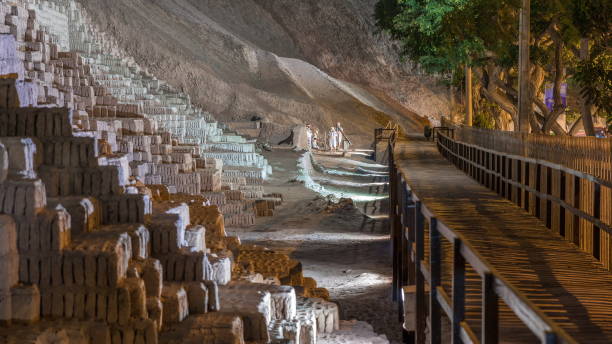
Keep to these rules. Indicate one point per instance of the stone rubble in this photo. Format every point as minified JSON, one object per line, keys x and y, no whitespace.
{"x":114,"y":196}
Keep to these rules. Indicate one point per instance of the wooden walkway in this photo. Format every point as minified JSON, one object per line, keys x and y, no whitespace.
{"x":568,"y":285}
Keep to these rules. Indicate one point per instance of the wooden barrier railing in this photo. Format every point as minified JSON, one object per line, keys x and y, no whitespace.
{"x":574,"y":204}
{"x":410,"y":222}
{"x":384,"y":136}
{"x":585,"y":154}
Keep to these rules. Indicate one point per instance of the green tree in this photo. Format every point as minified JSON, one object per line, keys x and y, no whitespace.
{"x":445,"y":35}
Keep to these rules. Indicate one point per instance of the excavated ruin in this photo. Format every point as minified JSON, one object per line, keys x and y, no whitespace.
{"x":115,"y":191}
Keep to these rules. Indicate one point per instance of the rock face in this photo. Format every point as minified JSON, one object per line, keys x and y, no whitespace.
{"x":286,"y":61}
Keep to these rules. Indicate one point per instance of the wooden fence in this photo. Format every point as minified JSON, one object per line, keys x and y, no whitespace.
{"x":585,"y":154}
{"x":574,"y":204}
{"x":382,"y":138}
{"x":411,"y":223}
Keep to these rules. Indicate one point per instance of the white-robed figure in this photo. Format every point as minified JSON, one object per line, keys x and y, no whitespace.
{"x":340,"y":134}
{"x":309,"y":136}
{"x":333,"y":139}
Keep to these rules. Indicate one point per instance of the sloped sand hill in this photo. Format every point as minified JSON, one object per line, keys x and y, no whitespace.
{"x":288,"y":61}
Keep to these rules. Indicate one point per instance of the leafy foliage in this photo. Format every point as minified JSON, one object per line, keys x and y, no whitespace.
{"x":445,"y":35}
{"x":595,"y":76}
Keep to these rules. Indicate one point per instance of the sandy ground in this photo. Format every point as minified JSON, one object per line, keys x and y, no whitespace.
{"x":346,"y":252}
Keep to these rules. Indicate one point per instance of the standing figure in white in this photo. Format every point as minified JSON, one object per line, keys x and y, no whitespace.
{"x":333,"y":139}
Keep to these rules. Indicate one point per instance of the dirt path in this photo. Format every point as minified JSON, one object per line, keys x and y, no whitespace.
{"x":342,"y":250}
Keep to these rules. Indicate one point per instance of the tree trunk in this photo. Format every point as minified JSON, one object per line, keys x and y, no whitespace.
{"x":558,"y":108}
{"x":469,"y":115}
{"x":525,"y":104}
{"x":585,"y":106}
{"x":451,"y":95}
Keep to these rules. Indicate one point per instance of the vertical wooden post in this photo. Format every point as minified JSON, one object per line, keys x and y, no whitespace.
{"x":458,"y":291}
{"x":393,"y":224}
{"x":550,"y":338}
{"x":576,"y":222}
{"x":525,"y":104}
{"x":597,"y":215}
{"x":405,"y":203}
{"x":435,"y":316}
{"x":469,"y":108}
{"x":562,"y":196}
{"x":420,"y":280}
{"x":490,"y":311}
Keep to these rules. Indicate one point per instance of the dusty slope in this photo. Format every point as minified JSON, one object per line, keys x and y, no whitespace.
{"x":241,"y":57}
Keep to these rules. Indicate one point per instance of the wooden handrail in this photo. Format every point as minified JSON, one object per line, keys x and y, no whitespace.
{"x":408,"y":211}
{"x":484,"y":165}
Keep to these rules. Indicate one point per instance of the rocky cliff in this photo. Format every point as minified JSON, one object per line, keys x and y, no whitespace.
{"x":286,"y":61}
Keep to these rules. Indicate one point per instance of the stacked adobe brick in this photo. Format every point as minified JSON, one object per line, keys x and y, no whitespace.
{"x":111,"y":213}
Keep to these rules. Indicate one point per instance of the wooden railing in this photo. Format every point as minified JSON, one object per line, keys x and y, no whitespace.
{"x":585,"y":154}
{"x":410,"y":222}
{"x":384,"y":137}
{"x":574,"y":204}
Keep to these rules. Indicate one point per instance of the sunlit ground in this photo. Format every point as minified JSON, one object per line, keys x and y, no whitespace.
{"x":306,"y":171}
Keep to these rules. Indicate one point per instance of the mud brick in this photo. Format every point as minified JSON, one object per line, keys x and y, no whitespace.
{"x":25,"y":303}
{"x":84,"y":212}
{"x":46,"y":303}
{"x":35,"y":268}
{"x":60,"y":229}
{"x":124,"y":308}
{"x":90,"y":270}
{"x":5,"y":306}
{"x":176,"y":307}
{"x":79,"y":304}
{"x":69,"y":152}
{"x":68,"y":270}
{"x":21,"y":157}
{"x":9,"y":265}
{"x":214,"y":302}
{"x":78,"y":267}
{"x":113,"y":306}
{"x":57,"y":308}
{"x":155,"y":311}
{"x":195,"y":238}
{"x":8,"y":235}
{"x":57,"y":262}
{"x":68,"y":304}
{"x":152,"y":275}
{"x":101,"y":306}
{"x":168,"y":234}
{"x":197,"y":295}
{"x":91,"y":301}
{"x":102,"y":271}
{"x":116,"y":247}
{"x":254,"y":306}
{"x":221,"y":268}
{"x":138,"y":298}
{"x":99,"y":333}
{"x":170,"y":262}
{"x":45,"y":272}
{"x":3,"y":162}
{"x":179,"y":269}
